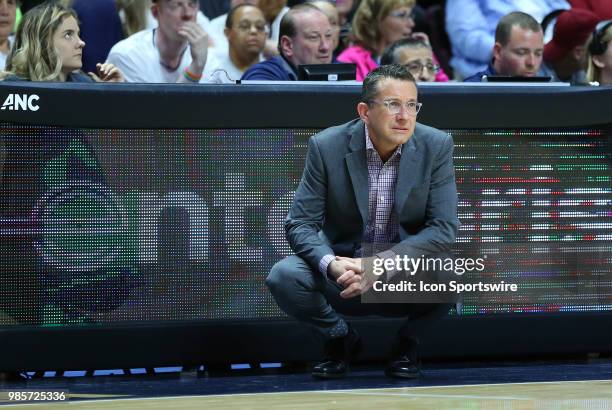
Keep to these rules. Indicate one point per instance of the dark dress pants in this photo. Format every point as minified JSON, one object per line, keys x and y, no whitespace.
{"x":309,"y":297}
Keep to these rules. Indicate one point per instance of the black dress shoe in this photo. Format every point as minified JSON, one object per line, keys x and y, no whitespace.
{"x":405,"y":362}
{"x":403,"y":368}
{"x":338,"y":354}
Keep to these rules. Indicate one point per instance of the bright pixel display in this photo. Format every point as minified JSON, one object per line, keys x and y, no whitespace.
{"x":102,"y":226}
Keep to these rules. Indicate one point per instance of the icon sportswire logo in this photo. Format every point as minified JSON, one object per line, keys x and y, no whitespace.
{"x":21,"y":102}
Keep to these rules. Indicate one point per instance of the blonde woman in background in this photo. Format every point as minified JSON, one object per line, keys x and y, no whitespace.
{"x":48,"y":48}
{"x":600,"y":54}
{"x":378,"y":24}
{"x":100,"y":28}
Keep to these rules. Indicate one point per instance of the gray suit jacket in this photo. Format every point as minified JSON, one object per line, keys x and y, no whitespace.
{"x":330,"y":209}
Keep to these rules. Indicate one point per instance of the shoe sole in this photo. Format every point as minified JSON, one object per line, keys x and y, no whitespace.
{"x":403,"y":375}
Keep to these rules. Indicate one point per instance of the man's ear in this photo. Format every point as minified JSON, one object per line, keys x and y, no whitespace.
{"x":155,"y":10}
{"x":363,"y":111}
{"x":497,"y":47}
{"x":226,"y":31}
{"x":286,"y":45}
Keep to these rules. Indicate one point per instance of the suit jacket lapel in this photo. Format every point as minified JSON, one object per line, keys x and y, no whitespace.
{"x":407,"y":173}
{"x":356,"y":163}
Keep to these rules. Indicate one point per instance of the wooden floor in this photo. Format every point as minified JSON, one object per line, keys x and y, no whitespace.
{"x":590,"y":394}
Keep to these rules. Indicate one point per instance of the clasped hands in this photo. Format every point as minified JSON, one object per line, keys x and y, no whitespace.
{"x":350,"y":273}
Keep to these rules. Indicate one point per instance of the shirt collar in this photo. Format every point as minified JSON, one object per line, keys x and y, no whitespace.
{"x":291,"y":70}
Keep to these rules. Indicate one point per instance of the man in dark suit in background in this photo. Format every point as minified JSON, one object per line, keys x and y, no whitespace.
{"x":381,"y":179}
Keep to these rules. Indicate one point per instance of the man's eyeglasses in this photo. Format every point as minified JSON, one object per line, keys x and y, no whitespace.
{"x":416,"y":67}
{"x":246,"y":26}
{"x":403,"y":15}
{"x":394,"y":107}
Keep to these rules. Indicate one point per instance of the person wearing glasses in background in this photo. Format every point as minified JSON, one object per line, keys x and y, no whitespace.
{"x":416,"y":55}
{"x":216,"y":28}
{"x":246,"y":30}
{"x":174,"y":52}
{"x":384,"y":180}
{"x":378,"y":24}
{"x":600,"y":54}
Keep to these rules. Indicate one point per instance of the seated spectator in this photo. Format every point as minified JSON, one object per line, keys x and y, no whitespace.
{"x":48,"y":48}
{"x":416,"y":55}
{"x":273,"y":10}
{"x":565,"y":56}
{"x":346,"y":10}
{"x":376,"y":25}
{"x":329,"y":9}
{"x":133,"y":15}
{"x":548,"y":24}
{"x":603,"y":8}
{"x":246,"y":30}
{"x":471,"y":24}
{"x":600,"y":54}
{"x":174,"y":52}
{"x":519,"y":43}
{"x":8,"y":12}
{"x":151,"y":20}
{"x":100,"y":28}
{"x":216,"y":28}
{"x":305,"y":38}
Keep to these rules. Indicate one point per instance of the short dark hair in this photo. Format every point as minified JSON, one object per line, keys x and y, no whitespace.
{"x":516,"y":18}
{"x":229,"y":21}
{"x":389,"y":55}
{"x":287,"y":24}
{"x":369,"y":88}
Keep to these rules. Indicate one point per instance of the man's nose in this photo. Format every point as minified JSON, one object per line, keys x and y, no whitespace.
{"x":325,"y":44}
{"x":402,"y":115}
{"x":189,"y":14}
